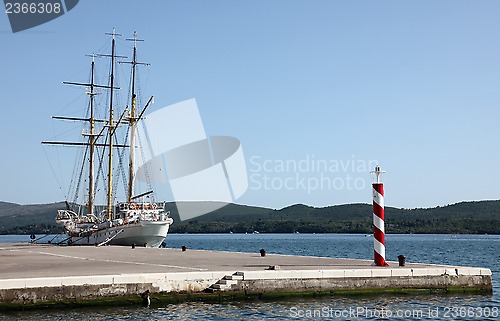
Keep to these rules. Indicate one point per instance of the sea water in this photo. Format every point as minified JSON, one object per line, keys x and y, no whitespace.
{"x":465,"y":250}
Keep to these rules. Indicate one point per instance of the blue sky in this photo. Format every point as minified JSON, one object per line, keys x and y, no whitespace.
{"x":412,"y":85}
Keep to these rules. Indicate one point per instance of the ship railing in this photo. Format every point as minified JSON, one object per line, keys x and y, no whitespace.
{"x":103,"y":216}
{"x":155,"y":217}
{"x":64,"y":215}
{"x":93,"y":218}
{"x":123,"y":207}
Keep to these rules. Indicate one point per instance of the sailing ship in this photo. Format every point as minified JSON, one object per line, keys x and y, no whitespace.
{"x":138,"y":220}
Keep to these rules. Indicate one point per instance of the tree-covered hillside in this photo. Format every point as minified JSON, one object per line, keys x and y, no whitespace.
{"x":465,"y":217}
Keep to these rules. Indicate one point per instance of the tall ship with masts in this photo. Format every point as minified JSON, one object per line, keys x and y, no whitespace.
{"x":139,"y":219}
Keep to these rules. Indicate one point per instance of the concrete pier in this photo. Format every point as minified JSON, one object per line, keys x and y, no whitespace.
{"x":36,"y":274}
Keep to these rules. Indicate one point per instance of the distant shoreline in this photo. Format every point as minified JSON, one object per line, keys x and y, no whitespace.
{"x":481,"y":217}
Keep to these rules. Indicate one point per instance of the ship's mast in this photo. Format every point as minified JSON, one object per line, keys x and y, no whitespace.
{"x":92,"y":136}
{"x":110,"y":146}
{"x":133,"y":120}
{"x":111,"y":126}
{"x":109,"y":210}
{"x":91,"y":141}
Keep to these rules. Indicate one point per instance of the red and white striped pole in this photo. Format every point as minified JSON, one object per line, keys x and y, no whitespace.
{"x":378,"y":219}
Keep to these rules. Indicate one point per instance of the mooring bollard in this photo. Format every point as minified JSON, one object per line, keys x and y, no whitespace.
{"x":145,"y":298}
{"x":184,"y":248}
{"x":262,"y":252}
{"x":133,"y":245}
{"x":402,"y":260}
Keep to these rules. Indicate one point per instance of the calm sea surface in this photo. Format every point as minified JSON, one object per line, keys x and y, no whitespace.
{"x":468,"y":250}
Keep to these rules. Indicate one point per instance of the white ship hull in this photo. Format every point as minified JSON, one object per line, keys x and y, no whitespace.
{"x":144,"y":233}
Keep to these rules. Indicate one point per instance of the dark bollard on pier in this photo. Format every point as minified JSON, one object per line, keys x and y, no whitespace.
{"x":402,"y":260}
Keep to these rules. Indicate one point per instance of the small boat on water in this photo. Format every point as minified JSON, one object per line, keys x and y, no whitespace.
{"x":138,"y":220}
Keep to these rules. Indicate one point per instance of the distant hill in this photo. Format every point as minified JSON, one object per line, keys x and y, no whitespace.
{"x":465,"y":217}
{"x":5,"y":205}
{"x":27,"y":219}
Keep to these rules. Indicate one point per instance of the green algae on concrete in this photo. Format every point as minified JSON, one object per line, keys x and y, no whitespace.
{"x":159,"y":299}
